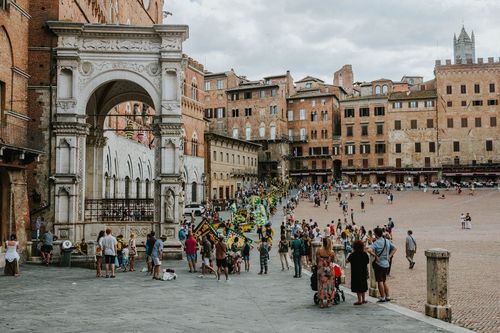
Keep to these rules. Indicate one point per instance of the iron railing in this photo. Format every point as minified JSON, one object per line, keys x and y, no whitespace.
{"x":102,"y":210}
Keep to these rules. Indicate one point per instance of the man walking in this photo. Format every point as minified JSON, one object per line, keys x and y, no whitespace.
{"x":108,"y":244}
{"x":297,"y":245}
{"x":383,"y":250}
{"x":411,"y":248}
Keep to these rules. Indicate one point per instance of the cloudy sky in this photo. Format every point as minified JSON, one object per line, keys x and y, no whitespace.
{"x":380,"y":38}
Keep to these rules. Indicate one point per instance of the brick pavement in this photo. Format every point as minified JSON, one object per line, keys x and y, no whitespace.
{"x":474,"y":269}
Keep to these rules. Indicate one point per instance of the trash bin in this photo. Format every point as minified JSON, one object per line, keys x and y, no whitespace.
{"x":66,"y":250}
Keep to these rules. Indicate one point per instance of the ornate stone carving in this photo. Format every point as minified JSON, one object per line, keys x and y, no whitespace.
{"x":66,"y":104}
{"x":86,"y":68}
{"x":113,"y":45}
{"x":69,"y":42}
{"x":169,"y":206}
{"x":171,"y":44}
{"x":154,"y":69}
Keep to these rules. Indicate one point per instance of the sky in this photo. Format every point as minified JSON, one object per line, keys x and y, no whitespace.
{"x":379,"y":38}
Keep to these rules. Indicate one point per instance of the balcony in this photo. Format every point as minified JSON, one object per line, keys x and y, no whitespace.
{"x":298,"y":138}
{"x":17,"y":136}
{"x":106,"y":210}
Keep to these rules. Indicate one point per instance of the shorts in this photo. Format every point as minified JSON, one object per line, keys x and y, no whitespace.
{"x":380,"y":272}
{"x":191,"y":257}
{"x":246,"y":258}
{"x":47,"y":248}
{"x":206,"y":261}
{"x":156,"y":261}
{"x":222,"y":263}
{"x":109,"y":259}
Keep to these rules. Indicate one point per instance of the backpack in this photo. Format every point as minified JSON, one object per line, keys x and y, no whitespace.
{"x":283,"y":248}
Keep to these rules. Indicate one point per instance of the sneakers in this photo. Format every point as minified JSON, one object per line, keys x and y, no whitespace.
{"x":382,"y":300}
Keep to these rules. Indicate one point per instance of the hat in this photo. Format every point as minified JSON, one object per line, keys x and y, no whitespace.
{"x":163,"y":237}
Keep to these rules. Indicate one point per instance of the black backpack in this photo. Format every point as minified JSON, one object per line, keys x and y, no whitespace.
{"x":283,"y":248}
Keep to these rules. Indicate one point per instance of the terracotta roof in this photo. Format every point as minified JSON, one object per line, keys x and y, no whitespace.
{"x":310,"y":78}
{"x":420,"y":94}
{"x":252,"y":87}
{"x":310,"y":94}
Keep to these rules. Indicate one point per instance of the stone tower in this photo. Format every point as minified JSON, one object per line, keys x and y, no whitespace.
{"x":464,"y":48}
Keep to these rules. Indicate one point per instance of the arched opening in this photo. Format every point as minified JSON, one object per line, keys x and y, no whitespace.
{"x":138,"y":188}
{"x":146,"y":194}
{"x":127,"y":187}
{"x":194,"y":193}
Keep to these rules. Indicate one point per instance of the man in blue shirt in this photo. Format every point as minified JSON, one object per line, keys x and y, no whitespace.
{"x":383,"y":250}
{"x":157,"y":255}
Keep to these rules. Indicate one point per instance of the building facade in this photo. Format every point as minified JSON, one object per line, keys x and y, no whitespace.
{"x":231,"y":163}
{"x":18,"y":149}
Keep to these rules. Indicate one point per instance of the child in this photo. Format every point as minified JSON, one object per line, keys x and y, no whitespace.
{"x":245,"y":252}
{"x":125,"y":254}
{"x":264,"y":255}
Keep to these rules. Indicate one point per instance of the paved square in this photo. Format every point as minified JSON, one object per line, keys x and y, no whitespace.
{"x":474,"y":269}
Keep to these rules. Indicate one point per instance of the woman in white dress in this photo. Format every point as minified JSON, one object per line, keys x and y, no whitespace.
{"x":11,"y":257}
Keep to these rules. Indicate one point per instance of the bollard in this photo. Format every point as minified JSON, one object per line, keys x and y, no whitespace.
{"x":437,"y":284}
{"x":315,"y":246}
{"x":338,"y":249}
{"x":373,"y":288}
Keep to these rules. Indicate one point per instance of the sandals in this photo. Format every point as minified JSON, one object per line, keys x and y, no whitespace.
{"x":358,"y":303}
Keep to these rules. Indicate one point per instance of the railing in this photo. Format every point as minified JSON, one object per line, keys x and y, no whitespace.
{"x":297,"y":138}
{"x":102,"y":210}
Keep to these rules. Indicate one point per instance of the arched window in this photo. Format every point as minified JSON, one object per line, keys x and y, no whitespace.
{"x":194,"y":145}
{"x":138,"y":188}
{"x":248,"y":132}
{"x":273,"y":132}
{"x":262,"y":130}
{"x":377,"y":90}
{"x":385,"y":89}
{"x":115,"y":187}
{"x":194,"y":194}
{"x":235,"y":133}
{"x":194,"y":91}
{"x":107,"y":186}
{"x":127,"y":187}
{"x":147,"y":189}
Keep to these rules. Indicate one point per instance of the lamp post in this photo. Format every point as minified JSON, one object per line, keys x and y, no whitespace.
{"x":203,"y":179}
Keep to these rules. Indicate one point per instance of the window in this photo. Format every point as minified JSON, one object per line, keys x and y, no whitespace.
{"x":220,"y":84}
{"x":464,"y":103}
{"x":450,"y":122}
{"x":290,"y":115}
{"x":262,"y":131}
{"x":349,"y":113}
{"x":397,"y":124}
{"x":412,"y":104}
{"x":273,"y":132}
{"x":464,"y":122}
{"x":493,"y":121}
{"x":380,"y":129}
{"x":449,"y":104}
{"x":227,"y":157}
{"x":273,"y":110}
{"x":313,"y":102}
{"x":221,"y":112}
{"x":235,"y":133}
{"x":248,"y":133}
{"x":336,"y":150}
{"x":215,"y":156}
{"x":235,"y":112}
{"x":379,"y":148}
{"x":302,"y":134}
{"x":314,"y":116}
{"x":262,"y":94}
{"x":350,"y":163}
{"x":350,"y":149}
{"x":247,"y":95}
{"x":380,"y":161}
{"x":429,"y":104}
{"x":492,"y":87}
{"x":477,"y":89}
{"x":364,"y":112}
{"x":308,"y":85}
{"x":413,"y":124}
{"x":396,"y":105}
{"x":365,"y":163}
{"x":194,"y":146}
{"x":456,"y":146}
{"x":194,"y":92}
{"x":207,"y":85}
{"x":456,"y":160}
{"x":463,"y":89}
{"x":398,"y":163}
{"x":313,"y":165}
{"x":324,"y":116}
{"x":235,"y":96}
{"x":398,"y":148}
{"x":378,"y":90}
{"x":427,"y":162}
{"x":489,"y":145}
{"x":432,"y":147}
{"x":449,"y":90}
{"x":364,"y":148}
{"x":364,"y":130}
{"x":379,"y":110}
{"x":273,"y":92}
{"x":208,"y":113}
{"x":314,"y":134}
{"x":349,"y":131}
{"x":430,"y":123}
{"x":324,"y":134}
{"x":248,"y":112}
{"x":477,"y":103}
{"x":477,"y":122}
{"x":385,"y":89}
{"x":323,"y":101}
{"x":302,"y":114}
{"x":418,"y":148}
{"x":493,"y":102}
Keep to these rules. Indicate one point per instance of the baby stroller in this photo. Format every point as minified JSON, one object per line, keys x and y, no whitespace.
{"x":339,"y":293}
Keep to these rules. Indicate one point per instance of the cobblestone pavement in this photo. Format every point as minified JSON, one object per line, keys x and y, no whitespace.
{"x":474,"y":269}
{"x":52,"y":299}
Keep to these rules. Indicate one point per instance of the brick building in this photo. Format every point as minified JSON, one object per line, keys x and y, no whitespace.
{"x":313,"y":120}
{"x":468,"y":113}
{"x":17,"y":147}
